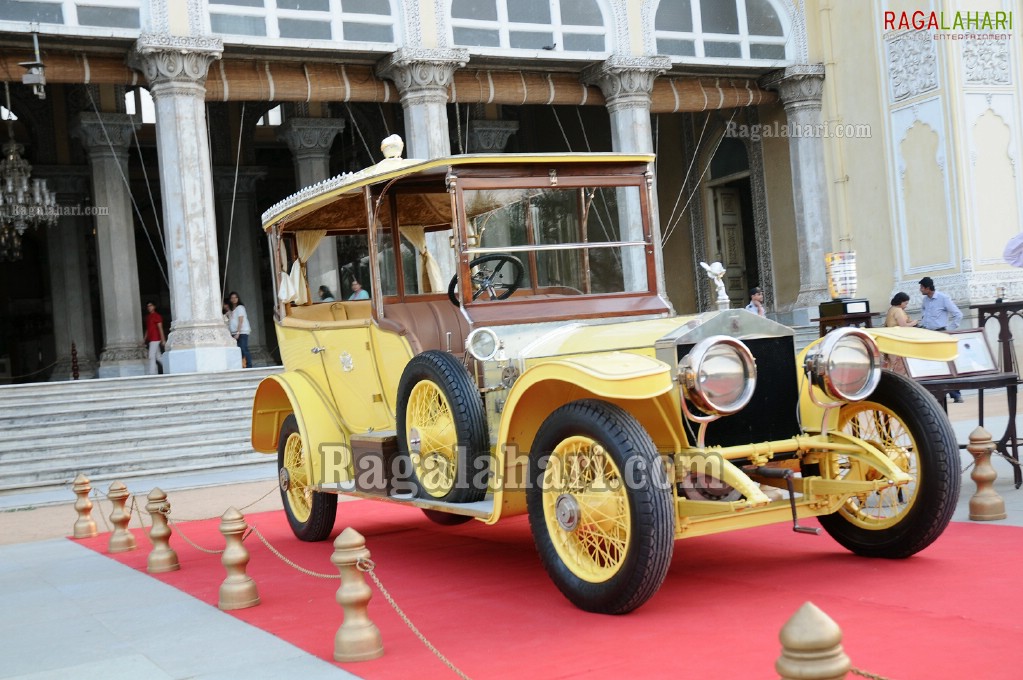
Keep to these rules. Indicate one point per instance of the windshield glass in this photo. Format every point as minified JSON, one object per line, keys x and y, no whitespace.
{"x":556,"y":240}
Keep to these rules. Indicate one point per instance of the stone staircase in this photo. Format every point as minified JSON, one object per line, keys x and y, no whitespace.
{"x":119,"y":428}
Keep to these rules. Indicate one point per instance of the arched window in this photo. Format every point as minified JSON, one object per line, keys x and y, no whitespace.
{"x":337,"y":20}
{"x":556,"y":25}
{"x":721,"y":29}
{"x":138,"y":102}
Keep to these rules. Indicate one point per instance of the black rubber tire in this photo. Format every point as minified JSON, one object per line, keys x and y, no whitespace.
{"x":446,"y":519}
{"x":463,"y":396}
{"x":494,"y":257}
{"x":651,"y":537}
{"x":937,"y":484}
{"x":323,"y":508}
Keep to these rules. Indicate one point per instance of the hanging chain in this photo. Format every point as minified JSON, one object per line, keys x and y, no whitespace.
{"x":367,"y":566}
{"x":865,"y":674}
{"x":244,"y":507}
{"x":189,"y":541}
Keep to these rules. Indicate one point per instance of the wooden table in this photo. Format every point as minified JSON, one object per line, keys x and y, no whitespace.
{"x":1007,"y":444}
{"x":830,"y":323}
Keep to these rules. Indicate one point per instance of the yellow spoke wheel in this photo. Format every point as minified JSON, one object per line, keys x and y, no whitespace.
{"x":903,"y":421}
{"x":600,"y":507}
{"x":442,"y":429}
{"x":310,"y":513}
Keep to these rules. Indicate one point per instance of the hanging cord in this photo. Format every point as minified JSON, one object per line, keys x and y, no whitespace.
{"x":468,"y":117}
{"x":127,"y":186}
{"x":149,"y":189}
{"x":458,"y":125}
{"x":689,"y":170}
{"x":383,"y":118}
{"x":234,"y":197}
{"x":671,"y":227}
{"x":355,"y":123}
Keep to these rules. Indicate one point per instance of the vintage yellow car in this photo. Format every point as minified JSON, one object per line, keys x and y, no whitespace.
{"x":507,"y":350}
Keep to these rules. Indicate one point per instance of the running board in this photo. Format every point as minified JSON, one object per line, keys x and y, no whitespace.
{"x":483,"y":509}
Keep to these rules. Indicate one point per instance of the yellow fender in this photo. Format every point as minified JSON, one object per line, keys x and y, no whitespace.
{"x":903,"y":341}
{"x":618,"y":377}
{"x":319,"y":423}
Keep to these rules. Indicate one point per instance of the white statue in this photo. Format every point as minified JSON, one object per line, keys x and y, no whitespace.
{"x":716,"y":273}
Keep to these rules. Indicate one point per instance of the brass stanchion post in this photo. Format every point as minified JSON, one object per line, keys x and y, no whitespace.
{"x":162,"y":557}
{"x":238,"y":590}
{"x":811,"y":647}
{"x":121,"y":540}
{"x":986,"y":504}
{"x":85,"y":527}
{"x":358,"y":638}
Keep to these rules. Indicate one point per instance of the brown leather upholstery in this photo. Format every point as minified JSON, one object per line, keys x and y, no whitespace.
{"x":427,"y":323}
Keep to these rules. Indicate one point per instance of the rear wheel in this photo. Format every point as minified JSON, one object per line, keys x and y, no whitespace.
{"x":902,"y":420}
{"x":310,"y":513}
{"x":600,"y":507}
{"x":442,"y":429}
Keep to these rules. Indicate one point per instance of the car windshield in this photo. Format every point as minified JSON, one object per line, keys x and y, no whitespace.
{"x":575,"y":240}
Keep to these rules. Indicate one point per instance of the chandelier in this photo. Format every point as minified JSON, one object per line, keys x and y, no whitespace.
{"x":24,"y":202}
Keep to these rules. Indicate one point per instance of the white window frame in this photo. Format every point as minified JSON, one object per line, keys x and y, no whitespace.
{"x":272,"y":14}
{"x":556,"y":28}
{"x":742,"y":38}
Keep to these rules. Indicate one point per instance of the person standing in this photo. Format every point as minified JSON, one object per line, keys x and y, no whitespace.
{"x":939,"y":314}
{"x":155,"y":338}
{"x":756,"y":301}
{"x":240,"y":327}
{"x":358,"y":292}
{"x":895,"y":318}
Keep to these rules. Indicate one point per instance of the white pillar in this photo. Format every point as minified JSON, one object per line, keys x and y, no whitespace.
{"x":106,"y":137}
{"x":175,"y":68}
{"x":800,"y":88}
{"x":310,"y":140}
{"x":69,"y":274}
{"x":627,"y":83}
{"x":243,"y":269}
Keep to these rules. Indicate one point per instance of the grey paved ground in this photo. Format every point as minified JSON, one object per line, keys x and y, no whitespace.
{"x":70,"y":612}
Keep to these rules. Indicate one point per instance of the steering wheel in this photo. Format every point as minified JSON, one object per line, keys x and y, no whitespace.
{"x":489,"y":275}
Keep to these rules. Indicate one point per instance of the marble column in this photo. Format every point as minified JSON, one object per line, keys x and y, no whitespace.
{"x":423,"y":77}
{"x":490,"y":136}
{"x":243,"y":271}
{"x":627,"y":83}
{"x":175,"y":68}
{"x":106,"y":137}
{"x":69,"y":273}
{"x":800,"y":88}
{"x":310,"y":140}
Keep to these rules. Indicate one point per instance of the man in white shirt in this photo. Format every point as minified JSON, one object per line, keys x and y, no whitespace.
{"x":939,"y":314}
{"x":756,"y":301}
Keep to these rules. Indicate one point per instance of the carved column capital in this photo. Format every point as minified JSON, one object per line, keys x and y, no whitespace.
{"x":626,"y":81}
{"x":70,"y":183}
{"x":422,"y":75}
{"x":490,"y":136}
{"x":310,"y":137}
{"x":224,"y":179}
{"x":800,"y":87}
{"x":104,"y":135}
{"x":175,"y":64}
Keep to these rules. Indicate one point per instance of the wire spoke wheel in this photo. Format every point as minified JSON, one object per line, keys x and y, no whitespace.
{"x":881,"y":427}
{"x":586,"y":509}
{"x":600,"y":507}
{"x":903,"y":421}
{"x":433,"y":441}
{"x":310,"y":513}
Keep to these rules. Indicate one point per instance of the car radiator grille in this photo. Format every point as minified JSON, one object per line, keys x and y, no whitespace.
{"x":771,"y":413}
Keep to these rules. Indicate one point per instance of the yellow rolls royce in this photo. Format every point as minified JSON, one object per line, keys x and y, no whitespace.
{"x":500,"y":346}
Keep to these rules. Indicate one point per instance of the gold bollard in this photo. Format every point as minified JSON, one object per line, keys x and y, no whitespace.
{"x":358,"y":638}
{"x":162,"y":557}
{"x":238,"y":590}
{"x":121,"y":540}
{"x":986,"y":504}
{"x":811,"y":647}
{"x":85,"y":527}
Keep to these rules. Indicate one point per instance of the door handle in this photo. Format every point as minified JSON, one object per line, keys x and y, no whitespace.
{"x":317,"y":350}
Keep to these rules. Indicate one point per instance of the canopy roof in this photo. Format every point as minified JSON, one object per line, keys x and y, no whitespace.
{"x":338,"y":204}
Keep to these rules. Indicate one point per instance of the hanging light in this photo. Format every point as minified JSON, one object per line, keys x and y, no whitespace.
{"x":24,"y":202}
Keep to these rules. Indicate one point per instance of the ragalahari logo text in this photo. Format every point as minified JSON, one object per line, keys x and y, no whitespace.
{"x":948,"y":21}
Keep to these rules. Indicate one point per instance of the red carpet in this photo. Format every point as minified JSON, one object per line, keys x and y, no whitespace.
{"x":480,"y":595}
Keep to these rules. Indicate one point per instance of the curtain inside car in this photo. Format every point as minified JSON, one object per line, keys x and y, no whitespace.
{"x":428,"y":264}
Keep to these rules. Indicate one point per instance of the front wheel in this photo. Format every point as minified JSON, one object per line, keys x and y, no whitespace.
{"x":902,"y":420}
{"x":600,"y":507}
{"x":310,"y":513}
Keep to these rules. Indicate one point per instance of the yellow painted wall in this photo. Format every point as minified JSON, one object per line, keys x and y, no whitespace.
{"x":781,"y":216}
{"x":678,"y":249}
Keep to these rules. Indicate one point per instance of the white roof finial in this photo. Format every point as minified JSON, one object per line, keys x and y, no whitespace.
{"x":392,"y":146}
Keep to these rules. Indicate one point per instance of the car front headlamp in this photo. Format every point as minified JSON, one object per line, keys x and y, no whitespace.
{"x":846,"y":365}
{"x":482,"y":344}
{"x":718,"y":375}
